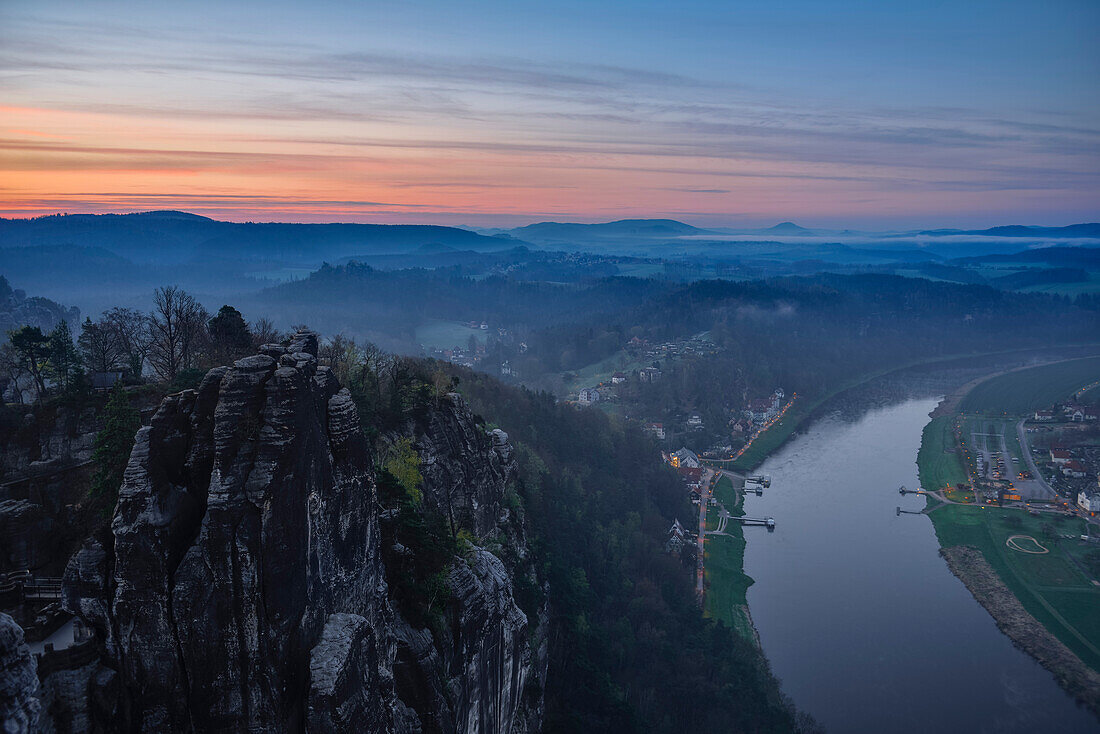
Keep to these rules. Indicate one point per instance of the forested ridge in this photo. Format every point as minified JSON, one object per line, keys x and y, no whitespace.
{"x":630,"y":651}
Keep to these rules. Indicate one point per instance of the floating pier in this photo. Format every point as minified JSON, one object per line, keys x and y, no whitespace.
{"x":768,"y":522}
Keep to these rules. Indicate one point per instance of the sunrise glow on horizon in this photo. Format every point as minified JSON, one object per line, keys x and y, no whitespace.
{"x":479,"y":113}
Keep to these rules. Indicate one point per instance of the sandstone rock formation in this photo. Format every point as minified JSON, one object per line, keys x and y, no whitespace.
{"x":18,"y":680}
{"x":242,"y":586}
{"x":476,"y":678}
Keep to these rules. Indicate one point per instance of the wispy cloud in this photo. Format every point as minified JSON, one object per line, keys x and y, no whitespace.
{"x":221,"y":113}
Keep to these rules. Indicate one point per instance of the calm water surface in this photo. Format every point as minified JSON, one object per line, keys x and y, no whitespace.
{"x":863,"y":623}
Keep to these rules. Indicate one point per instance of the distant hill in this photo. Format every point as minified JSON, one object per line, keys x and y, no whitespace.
{"x":1083,"y":257}
{"x":101,"y":260}
{"x":1019,"y":230}
{"x":787,"y":228}
{"x":578,"y":232}
{"x":176,"y":237}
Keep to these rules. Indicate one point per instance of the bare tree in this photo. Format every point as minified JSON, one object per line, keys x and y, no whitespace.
{"x":131,"y":331}
{"x":264,"y":332}
{"x":99,"y":348}
{"x":177,"y":326}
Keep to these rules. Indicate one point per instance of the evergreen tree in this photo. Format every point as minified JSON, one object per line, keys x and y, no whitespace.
{"x":113,"y":445}
{"x":230,"y":338}
{"x":32,"y":349}
{"x":64,"y":360}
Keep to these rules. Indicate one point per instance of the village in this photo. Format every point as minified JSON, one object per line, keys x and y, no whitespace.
{"x":642,"y":362}
{"x":1049,"y":459}
{"x":1065,"y":443}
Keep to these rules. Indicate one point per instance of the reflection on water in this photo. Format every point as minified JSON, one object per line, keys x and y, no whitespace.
{"x":861,"y":619}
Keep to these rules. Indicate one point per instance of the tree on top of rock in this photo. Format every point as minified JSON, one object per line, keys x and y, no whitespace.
{"x":230,"y":338}
{"x":32,"y":349}
{"x":177,"y":328}
{"x":64,"y":361}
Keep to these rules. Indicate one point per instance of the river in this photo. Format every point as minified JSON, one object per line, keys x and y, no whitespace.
{"x":864,"y":625}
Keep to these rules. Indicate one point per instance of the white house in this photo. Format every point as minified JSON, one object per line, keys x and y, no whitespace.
{"x":1089,"y":501}
{"x":1059,"y":456}
{"x":1074,"y":469}
{"x":763,"y":409}
{"x":658,"y":429}
{"x":685,"y":457}
{"x":588,"y":395}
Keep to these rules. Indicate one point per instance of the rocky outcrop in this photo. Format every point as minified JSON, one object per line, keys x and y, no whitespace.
{"x":246,"y":519}
{"x":45,"y":471}
{"x":18,"y":680}
{"x":465,"y":469}
{"x":476,"y":674}
{"x":241,"y":585}
{"x":17,"y":309}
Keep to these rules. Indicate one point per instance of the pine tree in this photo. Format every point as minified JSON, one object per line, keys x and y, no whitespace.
{"x":113,"y":445}
{"x":229,"y":335}
{"x":32,"y":349}
{"x":64,"y":360}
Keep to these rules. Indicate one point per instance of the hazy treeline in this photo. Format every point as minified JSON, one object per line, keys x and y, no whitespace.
{"x":361,"y":300}
{"x":174,"y":342}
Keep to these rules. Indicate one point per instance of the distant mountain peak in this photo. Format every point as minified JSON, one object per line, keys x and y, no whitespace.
{"x":788,"y":228}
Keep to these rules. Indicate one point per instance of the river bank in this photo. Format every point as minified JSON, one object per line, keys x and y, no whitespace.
{"x":1076,"y":678}
{"x":791,"y":648}
{"x":724,"y":566}
{"x":1045,"y":603}
{"x":857,"y":613}
{"x":725,"y":575}
{"x":808,"y":409}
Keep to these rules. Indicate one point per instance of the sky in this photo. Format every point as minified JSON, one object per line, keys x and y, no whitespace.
{"x":867,"y":115}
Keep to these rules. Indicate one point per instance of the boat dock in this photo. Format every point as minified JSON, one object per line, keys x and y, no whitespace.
{"x":768,"y":522}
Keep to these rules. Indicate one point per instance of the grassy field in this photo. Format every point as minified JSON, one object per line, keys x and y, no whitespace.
{"x":775,"y":436}
{"x":602,"y":371}
{"x":1051,"y":586}
{"x":1022,"y":392}
{"x":437,"y":334}
{"x":725,"y":556}
{"x":938,"y":465}
{"x":641,"y":270}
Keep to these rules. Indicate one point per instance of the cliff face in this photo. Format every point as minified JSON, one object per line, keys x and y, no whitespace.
{"x":242,"y":584}
{"x":19,"y":703}
{"x":44,"y":472}
{"x":485,"y":671}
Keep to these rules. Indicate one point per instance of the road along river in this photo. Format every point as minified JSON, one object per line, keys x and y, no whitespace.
{"x":863,"y":623}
